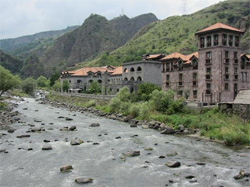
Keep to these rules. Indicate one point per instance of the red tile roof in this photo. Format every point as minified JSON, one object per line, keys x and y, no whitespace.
{"x":117,"y":71}
{"x":174,"y":55}
{"x":219,"y":26}
{"x":154,"y":56}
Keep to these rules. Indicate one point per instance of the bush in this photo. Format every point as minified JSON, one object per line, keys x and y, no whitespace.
{"x":29,"y":85}
{"x":65,"y":86}
{"x":57,"y":86}
{"x":144,"y":91}
{"x":8,"y":81}
{"x":115,"y":104}
{"x":94,"y":88}
{"x":124,"y":94}
{"x":42,"y":82}
{"x":134,"y":110}
{"x":90,"y":103}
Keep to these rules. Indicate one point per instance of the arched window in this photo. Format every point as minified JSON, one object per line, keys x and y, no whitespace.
{"x":139,"y":68}
{"x":79,"y":81}
{"x":131,"y":90}
{"x":90,"y":81}
{"x":126,"y":70}
{"x":126,"y":79}
{"x":180,"y":64}
{"x":195,"y":64}
{"x":132,"y":79}
{"x":138,"y":78}
{"x":99,"y":81}
{"x":132,"y":69}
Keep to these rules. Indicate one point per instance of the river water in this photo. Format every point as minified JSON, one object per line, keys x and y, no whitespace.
{"x":35,"y":168}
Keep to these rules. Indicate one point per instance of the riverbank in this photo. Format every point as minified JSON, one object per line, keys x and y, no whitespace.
{"x":207,"y":123}
{"x":108,"y":151}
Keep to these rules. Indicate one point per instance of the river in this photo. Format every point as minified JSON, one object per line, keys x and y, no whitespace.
{"x":34,"y":168}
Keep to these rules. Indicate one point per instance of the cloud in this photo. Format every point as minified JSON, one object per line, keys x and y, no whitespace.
{"x":23,"y":17}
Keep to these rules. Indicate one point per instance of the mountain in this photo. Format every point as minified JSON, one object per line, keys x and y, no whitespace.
{"x":95,"y":36}
{"x":176,"y":33}
{"x":12,"y":64}
{"x":24,"y":46}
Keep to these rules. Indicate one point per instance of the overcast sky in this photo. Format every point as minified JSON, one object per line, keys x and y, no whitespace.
{"x":24,"y":17}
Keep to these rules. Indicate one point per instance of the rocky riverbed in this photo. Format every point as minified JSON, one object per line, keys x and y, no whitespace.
{"x":61,"y":145}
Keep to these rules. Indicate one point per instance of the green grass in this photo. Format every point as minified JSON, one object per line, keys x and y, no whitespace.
{"x":3,"y":105}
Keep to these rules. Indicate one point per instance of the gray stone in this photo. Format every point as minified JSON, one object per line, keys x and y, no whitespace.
{"x":173,"y":164}
{"x":76,"y":141}
{"x":168,"y":130}
{"x":94,"y":125}
{"x":72,"y":128}
{"x":68,"y":119}
{"x":24,"y":136}
{"x":47,"y":147}
{"x":181,"y":128}
{"x":84,"y":180}
{"x":132,"y":153}
{"x":11,"y":130}
{"x":66,"y":168}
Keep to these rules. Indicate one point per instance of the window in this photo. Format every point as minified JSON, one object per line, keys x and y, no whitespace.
{"x":202,"y":42}
{"x":208,"y":57}
{"x":224,"y":39}
{"x":78,"y":81}
{"x":208,"y":73}
{"x":138,"y":78}
{"x":180,"y":65}
{"x":132,"y":69}
{"x":180,"y":79}
{"x":208,"y":41}
{"x":243,"y":62}
{"x":99,"y":81}
{"x":126,"y":79}
{"x":230,"y":40}
{"x":235,"y":54}
{"x":226,"y":57}
{"x":226,"y":86}
{"x":167,"y":80}
{"x":226,"y":70}
{"x":208,"y":90}
{"x":132,"y":79}
{"x":194,"y":94}
{"x":126,"y":70}
{"x":139,"y":69}
{"x":194,"y":79}
{"x":235,"y":70}
{"x":195,"y":64}
{"x":244,"y":76}
{"x":216,"y":41}
{"x":236,"y":41}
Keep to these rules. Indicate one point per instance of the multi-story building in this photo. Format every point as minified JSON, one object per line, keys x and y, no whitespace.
{"x":215,"y":73}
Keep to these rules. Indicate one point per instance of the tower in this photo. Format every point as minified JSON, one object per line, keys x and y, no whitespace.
{"x":219,"y":63}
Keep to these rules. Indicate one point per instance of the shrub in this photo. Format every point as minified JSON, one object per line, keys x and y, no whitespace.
{"x":42,"y":82}
{"x":57,"y":86}
{"x":124,"y":94}
{"x":114,"y":104}
{"x":134,"y":110}
{"x":29,"y":85}
{"x":124,"y":108}
{"x":65,"y":86}
{"x":94,"y":88}
{"x":90,"y":103}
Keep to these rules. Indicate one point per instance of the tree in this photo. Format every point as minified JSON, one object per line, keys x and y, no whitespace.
{"x":94,"y":88}
{"x":65,"y":86}
{"x":145,"y":89}
{"x":7,"y":80}
{"x":42,"y":82}
{"x":32,"y":67}
{"x":53,"y":78}
{"x":29,"y":85}
{"x":57,"y":86}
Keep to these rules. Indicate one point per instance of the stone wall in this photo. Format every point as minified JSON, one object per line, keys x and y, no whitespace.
{"x":242,"y":110}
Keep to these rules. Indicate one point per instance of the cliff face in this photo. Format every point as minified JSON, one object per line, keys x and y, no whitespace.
{"x":95,"y":36}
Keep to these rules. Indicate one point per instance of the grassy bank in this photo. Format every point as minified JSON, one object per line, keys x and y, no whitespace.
{"x":212,"y":123}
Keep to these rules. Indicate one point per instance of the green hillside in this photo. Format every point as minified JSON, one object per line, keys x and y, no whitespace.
{"x":176,"y":33}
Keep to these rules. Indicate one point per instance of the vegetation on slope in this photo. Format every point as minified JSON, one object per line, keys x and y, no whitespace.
{"x":176,"y":33}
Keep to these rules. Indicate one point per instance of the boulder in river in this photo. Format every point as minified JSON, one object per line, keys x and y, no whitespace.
{"x":68,"y":119}
{"x":173,"y":164}
{"x":173,"y":153}
{"x":47,"y":147}
{"x":241,"y":175}
{"x":148,"y":149}
{"x":168,"y":130}
{"x":60,"y":117}
{"x":83,"y":180}
{"x":66,"y":168}
{"x":94,"y":125}
{"x":11,"y":130}
{"x":76,"y":141}
{"x":24,"y":136}
{"x":72,"y":128}
{"x":133,"y":125}
{"x":132,"y":153}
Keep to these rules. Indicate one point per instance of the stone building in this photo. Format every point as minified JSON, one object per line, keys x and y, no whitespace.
{"x":215,"y":73}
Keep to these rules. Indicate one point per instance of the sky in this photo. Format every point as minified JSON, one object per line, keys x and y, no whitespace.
{"x":25,"y":17}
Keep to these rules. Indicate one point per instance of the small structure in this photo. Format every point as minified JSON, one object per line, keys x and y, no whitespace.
{"x":240,"y":106}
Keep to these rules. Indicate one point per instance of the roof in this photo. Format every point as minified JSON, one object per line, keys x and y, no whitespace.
{"x":155,"y":56}
{"x":185,"y":58}
{"x":117,"y":71}
{"x":85,"y":71}
{"x":243,"y":97}
{"x":219,"y":26}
